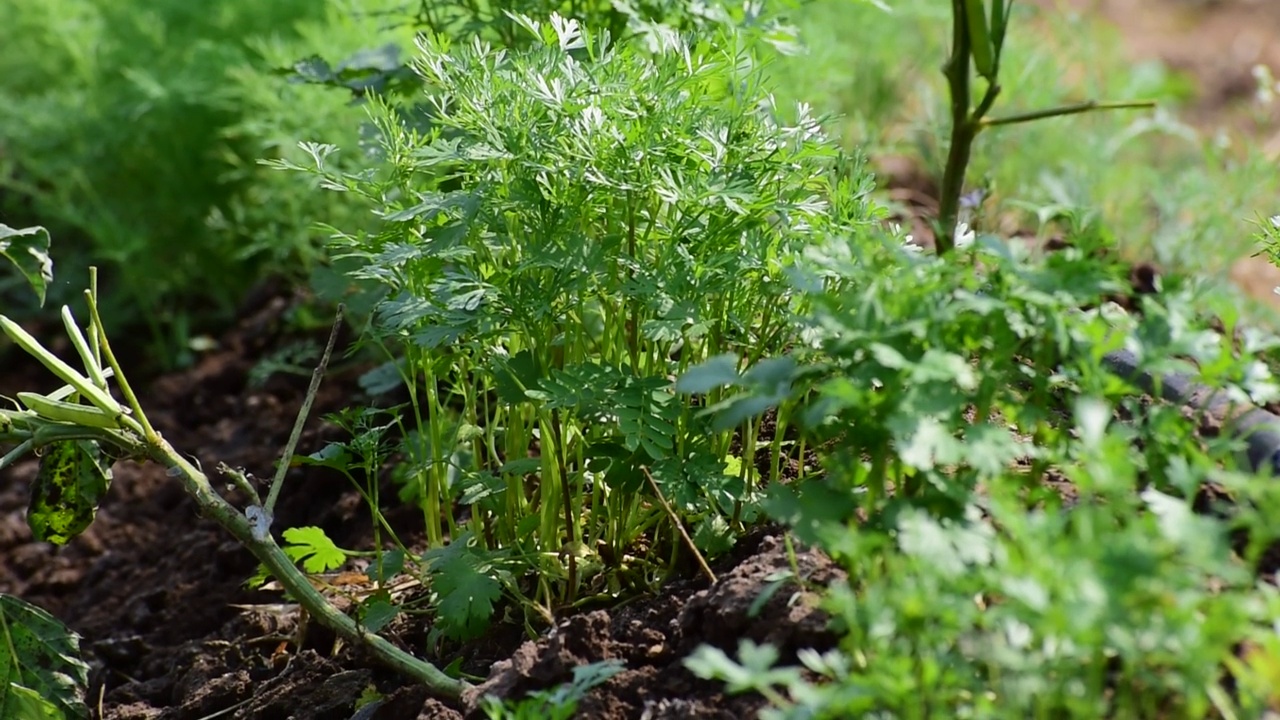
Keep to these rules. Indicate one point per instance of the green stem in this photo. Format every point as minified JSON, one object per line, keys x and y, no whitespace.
{"x":965,"y":125}
{"x":566,"y":495}
{"x":775,"y":446}
{"x":294,"y":582}
{"x":963,"y":130}
{"x":285,"y":461}
{"x":100,"y":331}
{"x":633,"y":324}
{"x":1075,"y":109}
{"x":436,"y":416}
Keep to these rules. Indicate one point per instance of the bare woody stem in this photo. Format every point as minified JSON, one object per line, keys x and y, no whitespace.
{"x":675,"y":520}
{"x":140,"y":440}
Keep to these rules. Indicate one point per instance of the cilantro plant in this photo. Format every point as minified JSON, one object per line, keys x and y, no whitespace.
{"x":579,"y":223}
{"x":1020,"y":525}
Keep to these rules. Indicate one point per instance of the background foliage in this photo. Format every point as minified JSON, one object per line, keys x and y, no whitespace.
{"x":133,"y":132}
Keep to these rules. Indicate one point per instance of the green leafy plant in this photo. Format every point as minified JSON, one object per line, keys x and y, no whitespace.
{"x":979,"y":584}
{"x":379,"y":72}
{"x":464,"y":583}
{"x":1027,"y":616}
{"x":582,"y":221}
{"x":543,"y":289}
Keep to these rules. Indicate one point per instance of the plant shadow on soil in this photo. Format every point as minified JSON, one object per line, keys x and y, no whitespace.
{"x":154,"y":589}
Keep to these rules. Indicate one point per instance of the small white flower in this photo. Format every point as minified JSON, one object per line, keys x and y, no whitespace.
{"x":964,"y":236}
{"x":1275,"y":221}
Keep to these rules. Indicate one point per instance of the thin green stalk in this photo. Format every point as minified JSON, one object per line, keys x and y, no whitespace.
{"x":633,"y":328}
{"x":750,"y":434}
{"x":283,"y":469}
{"x":766,"y":340}
{"x":548,"y":489}
{"x":94,"y":340}
{"x":517,"y":447}
{"x":876,"y":480}
{"x":775,"y":446}
{"x":419,"y":479}
{"x":800,"y":455}
{"x":138,"y":415}
{"x":436,"y":417}
{"x":241,"y":482}
{"x":1076,"y":109}
{"x":597,"y":531}
{"x":566,"y":496}
{"x":20,"y":450}
{"x":372,"y":499}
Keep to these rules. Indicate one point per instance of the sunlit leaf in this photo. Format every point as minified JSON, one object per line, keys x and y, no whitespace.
{"x":28,"y":250}
{"x":314,"y":549}
{"x":72,"y":481}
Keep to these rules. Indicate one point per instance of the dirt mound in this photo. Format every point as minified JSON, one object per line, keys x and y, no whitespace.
{"x":652,"y":638}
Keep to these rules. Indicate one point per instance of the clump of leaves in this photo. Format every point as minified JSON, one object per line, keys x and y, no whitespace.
{"x":581,"y":222}
{"x":379,"y":71}
{"x":953,"y":428}
{"x":93,"y":94}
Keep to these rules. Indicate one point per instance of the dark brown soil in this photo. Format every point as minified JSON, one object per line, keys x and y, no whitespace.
{"x":154,"y":589}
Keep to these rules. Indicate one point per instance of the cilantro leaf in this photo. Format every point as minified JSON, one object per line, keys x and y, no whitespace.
{"x":466,"y":593}
{"x":313,"y":548}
